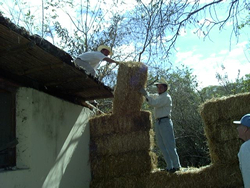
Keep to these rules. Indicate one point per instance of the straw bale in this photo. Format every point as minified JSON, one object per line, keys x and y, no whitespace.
{"x":224,"y":152}
{"x":116,"y":143}
{"x":221,"y":131}
{"x":225,"y":108}
{"x":223,"y":141}
{"x":132,"y":76}
{"x":210,"y":111}
{"x":110,"y":124}
{"x":238,"y":105}
{"x":214,"y":176}
{"x":127,"y":181}
{"x":132,"y":163}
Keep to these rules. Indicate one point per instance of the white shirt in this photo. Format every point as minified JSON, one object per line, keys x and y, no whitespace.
{"x":93,"y":58}
{"x":244,"y":160}
{"x":162,"y":104}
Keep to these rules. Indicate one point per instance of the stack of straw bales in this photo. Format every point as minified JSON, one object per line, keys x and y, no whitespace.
{"x":131,"y":78}
{"x":120,"y":142}
{"x":218,"y":116}
{"x":212,"y":176}
{"x":224,"y":144}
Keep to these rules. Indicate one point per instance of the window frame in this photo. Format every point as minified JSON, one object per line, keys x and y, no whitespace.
{"x":8,"y":150}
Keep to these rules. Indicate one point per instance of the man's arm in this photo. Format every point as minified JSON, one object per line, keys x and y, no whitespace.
{"x":156,"y":101}
{"x":109,"y":60}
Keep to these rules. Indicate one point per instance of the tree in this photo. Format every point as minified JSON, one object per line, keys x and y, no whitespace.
{"x":226,"y":87}
{"x":158,"y":24}
{"x":149,"y":29}
{"x":246,"y":22}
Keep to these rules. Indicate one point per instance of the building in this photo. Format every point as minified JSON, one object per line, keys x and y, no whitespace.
{"x":44,"y":133}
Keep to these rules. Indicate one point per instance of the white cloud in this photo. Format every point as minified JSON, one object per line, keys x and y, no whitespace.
{"x":205,"y":21}
{"x":229,"y":24}
{"x":182,"y":32}
{"x":222,"y":52}
{"x":183,"y":55}
{"x":212,"y":55}
{"x":206,"y":67}
{"x":242,"y":44}
{"x":198,"y":32}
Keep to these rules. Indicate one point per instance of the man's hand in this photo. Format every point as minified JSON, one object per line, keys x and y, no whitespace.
{"x":109,"y":60}
{"x":143,"y":92}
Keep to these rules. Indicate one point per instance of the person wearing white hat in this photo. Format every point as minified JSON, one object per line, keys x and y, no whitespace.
{"x":162,"y":103}
{"x":91,"y":60}
{"x":244,"y":153}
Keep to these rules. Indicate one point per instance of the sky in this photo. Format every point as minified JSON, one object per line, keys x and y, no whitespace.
{"x":204,"y":56}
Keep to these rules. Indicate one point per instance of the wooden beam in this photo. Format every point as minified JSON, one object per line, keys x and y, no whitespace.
{"x":79,"y":91}
{"x":60,"y":82}
{"x":17,"y":48}
{"x":42,"y":68}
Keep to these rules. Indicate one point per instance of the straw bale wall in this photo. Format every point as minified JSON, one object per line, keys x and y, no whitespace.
{"x":121,"y":142}
{"x":218,"y":116}
{"x":111,"y":124}
{"x":125,"y":181}
{"x":120,"y":145}
{"x":116,"y":143}
{"x":225,"y":108}
{"x":133,"y":163}
{"x":213,"y":176}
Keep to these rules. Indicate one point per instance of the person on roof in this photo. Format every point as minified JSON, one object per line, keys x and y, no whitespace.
{"x":162,"y":103}
{"x":91,"y":60}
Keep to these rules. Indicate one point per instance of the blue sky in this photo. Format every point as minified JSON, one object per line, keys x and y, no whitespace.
{"x":205,"y":56}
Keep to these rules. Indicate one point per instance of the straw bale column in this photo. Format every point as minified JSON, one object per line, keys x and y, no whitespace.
{"x":120,"y":142}
{"x":131,"y":77}
{"x":218,"y":116}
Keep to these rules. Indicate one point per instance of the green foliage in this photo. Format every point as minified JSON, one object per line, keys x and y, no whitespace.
{"x":226,"y":87}
{"x":245,"y":23}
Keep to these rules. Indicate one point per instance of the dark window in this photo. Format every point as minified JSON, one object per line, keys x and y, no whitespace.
{"x":8,"y":140}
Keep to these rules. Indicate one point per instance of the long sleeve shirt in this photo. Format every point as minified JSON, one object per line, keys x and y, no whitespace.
{"x":162,"y":104}
{"x":93,"y":58}
{"x":244,"y":157}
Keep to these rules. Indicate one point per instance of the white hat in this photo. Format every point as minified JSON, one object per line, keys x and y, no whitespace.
{"x":105,"y":47}
{"x":161,"y":81}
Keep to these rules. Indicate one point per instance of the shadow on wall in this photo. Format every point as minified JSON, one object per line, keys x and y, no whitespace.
{"x":71,"y":165}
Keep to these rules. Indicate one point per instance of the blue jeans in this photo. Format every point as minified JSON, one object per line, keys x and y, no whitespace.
{"x":166,"y":142}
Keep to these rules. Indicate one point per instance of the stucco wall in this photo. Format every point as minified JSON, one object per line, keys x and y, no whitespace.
{"x":53,"y":144}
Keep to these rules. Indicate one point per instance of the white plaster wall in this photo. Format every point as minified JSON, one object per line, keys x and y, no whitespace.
{"x":53,"y":147}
